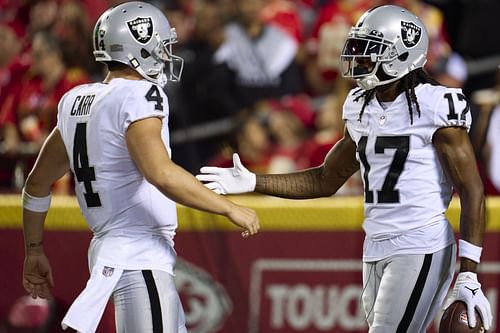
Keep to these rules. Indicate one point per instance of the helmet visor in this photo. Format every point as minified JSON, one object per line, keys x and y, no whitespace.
{"x":360,"y":56}
{"x":357,"y":66}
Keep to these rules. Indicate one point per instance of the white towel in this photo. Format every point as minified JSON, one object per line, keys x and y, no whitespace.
{"x":86,"y":311}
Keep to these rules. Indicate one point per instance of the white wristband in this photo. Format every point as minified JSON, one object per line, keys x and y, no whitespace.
{"x":468,"y":250}
{"x":36,"y":204}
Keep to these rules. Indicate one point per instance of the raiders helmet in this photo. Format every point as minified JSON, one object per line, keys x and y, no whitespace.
{"x":138,"y":35}
{"x":385,"y":44}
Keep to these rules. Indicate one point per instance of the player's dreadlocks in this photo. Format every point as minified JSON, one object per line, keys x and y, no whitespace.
{"x":407,"y":84}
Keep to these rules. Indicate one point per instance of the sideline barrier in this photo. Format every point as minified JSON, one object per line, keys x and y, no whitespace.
{"x":275,"y":214}
{"x":301,"y":273}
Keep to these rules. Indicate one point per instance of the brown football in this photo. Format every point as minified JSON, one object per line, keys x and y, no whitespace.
{"x":454,"y":320}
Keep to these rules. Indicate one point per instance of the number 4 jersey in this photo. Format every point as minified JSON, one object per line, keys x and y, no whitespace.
{"x":406,"y":191}
{"x":122,"y":209}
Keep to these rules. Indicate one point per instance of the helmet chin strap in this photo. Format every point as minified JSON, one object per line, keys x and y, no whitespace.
{"x":372,"y":81}
{"x":160,"y":80}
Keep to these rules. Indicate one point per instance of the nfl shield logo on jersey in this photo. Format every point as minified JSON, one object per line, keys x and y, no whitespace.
{"x":107,"y":271}
{"x":411,"y":33}
{"x":141,"y":28}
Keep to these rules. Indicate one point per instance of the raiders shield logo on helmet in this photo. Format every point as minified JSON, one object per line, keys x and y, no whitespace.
{"x":141,"y":28}
{"x":410,"y":32}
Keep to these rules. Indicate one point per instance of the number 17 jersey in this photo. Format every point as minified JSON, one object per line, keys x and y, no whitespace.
{"x":405,"y":187}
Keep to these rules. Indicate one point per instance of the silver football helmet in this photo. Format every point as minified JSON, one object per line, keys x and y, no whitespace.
{"x":386,"y":43}
{"x":138,"y":35}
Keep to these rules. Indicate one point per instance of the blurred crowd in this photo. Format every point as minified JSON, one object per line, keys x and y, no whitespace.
{"x":261,"y":77}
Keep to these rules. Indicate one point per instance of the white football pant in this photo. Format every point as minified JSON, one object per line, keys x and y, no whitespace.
{"x":403,"y":293}
{"x":147,"y":302}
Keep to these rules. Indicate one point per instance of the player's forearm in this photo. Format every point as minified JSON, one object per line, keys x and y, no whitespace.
{"x":472,"y":215}
{"x":183,"y":188}
{"x":322,"y":181}
{"x":36,"y":187}
{"x":33,"y":231}
{"x":305,"y":184}
{"x":472,"y":222}
{"x":457,"y":160}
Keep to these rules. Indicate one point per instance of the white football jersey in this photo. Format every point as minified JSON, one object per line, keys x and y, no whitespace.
{"x":119,"y":205}
{"x":405,"y":187}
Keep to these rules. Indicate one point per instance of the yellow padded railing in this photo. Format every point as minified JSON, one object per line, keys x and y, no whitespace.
{"x":329,"y":214}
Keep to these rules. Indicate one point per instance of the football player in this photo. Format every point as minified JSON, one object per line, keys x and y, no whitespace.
{"x":408,"y":135}
{"x":114,"y":137}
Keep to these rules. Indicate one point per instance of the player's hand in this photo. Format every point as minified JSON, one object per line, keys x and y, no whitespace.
{"x":37,"y":275}
{"x":468,"y":290}
{"x":245,"y":218}
{"x":228,"y":180}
